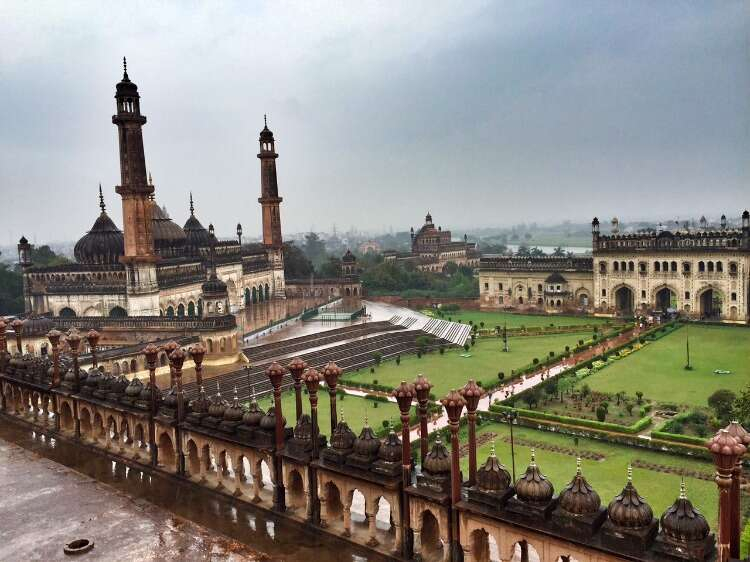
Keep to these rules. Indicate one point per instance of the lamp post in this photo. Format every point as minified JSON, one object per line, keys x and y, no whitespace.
{"x":296,"y":367}
{"x":312,"y":379}
{"x":471,"y":394}
{"x":331,"y":374}
{"x":176,"y":359}
{"x":169,"y":348}
{"x":404,"y":395}
{"x":17,"y":326}
{"x":736,"y":430}
{"x":726,"y":451}
{"x":454,"y":404}
{"x":93,"y":339}
{"x":239,"y":234}
{"x":275,"y":374}
{"x":422,"y":388}
{"x":511,"y":417}
{"x":197,"y":352}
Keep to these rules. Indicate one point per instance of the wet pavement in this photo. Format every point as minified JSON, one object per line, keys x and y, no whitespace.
{"x":53,"y":492}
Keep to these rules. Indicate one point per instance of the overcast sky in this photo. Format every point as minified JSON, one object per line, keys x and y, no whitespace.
{"x":485,"y":113}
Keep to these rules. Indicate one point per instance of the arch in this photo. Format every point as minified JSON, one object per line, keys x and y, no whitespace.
{"x":210,"y":345}
{"x":125,"y":368}
{"x":348,"y":292}
{"x":664,"y":298}
{"x":116,"y":369}
{"x":624,"y":300}
{"x":118,"y":312}
{"x":85,"y":423}
{"x":66,"y":312}
{"x":296,"y":490}
{"x":223,"y":345}
{"x":254,"y":295}
{"x":334,"y":506}
{"x":98,"y":427}
{"x":193,"y":459}
{"x":92,"y":311}
{"x":710,"y":301}
{"x":170,"y":312}
{"x":166,"y":451}
{"x":248,"y":297}
{"x":133,"y":366}
{"x":66,"y":417}
{"x":431,"y":543}
{"x":191,"y":309}
{"x":180,"y":310}
{"x":267,"y":292}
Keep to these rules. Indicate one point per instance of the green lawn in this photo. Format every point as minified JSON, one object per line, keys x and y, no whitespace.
{"x":355,"y":409}
{"x":452,"y":371}
{"x":492,"y":319}
{"x":658,"y":371}
{"x":607,"y":476}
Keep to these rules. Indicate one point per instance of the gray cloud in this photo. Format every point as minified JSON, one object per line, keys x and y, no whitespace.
{"x":486,"y":113}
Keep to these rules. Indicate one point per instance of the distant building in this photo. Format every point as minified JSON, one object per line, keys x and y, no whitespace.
{"x":701,"y":273}
{"x":369,"y":246}
{"x":432,"y":248}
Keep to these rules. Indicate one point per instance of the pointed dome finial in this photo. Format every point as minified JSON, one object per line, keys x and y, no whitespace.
{"x":101,"y":198}
{"x":125,"y":69}
{"x":341,"y":414}
{"x":492,"y":449}
{"x":265,"y":120}
{"x":683,"y":491}
{"x":578,"y":466}
{"x":150,"y":181}
{"x":630,"y":473}
{"x":192,"y":208}
{"x":533,"y":457}
{"x":366,"y":421}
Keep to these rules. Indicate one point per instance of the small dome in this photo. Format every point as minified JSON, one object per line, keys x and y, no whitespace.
{"x":265,"y":133}
{"x":493,"y":476}
{"x":218,"y":405}
{"x":253,"y":416}
{"x":196,"y":235}
{"x":682,"y":522}
{"x":167,"y":235}
{"x":201,"y":404}
{"x":214,"y":287}
{"x":133,"y":390}
{"x":269,"y":420}
{"x":578,"y":497}
{"x":437,"y":461}
{"x":103,"y":244}
{"x":533,"y":486}
{"x":343,"y":437}
{"x":367,"y":444}
{"x":169,"y":398}
{"x":146,"y":392}
{"x":93,"y":378}
{"x":105,"y":382}
{"x":555,"y":278}
{"x":628,"y":509}
{"x":390,"y":449}
{"x":125,"y":87}
{"x":234,"y":412}
{"x":348,"y":257}
{"x":37,"y":325}
{"x":303,"y":429}
{"x":120,"y":384}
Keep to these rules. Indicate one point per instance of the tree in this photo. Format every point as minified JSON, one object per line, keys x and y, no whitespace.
{"x":639,"y":397}
{"x":721,"y":403}
{"x":558,"y":252}
{"x":531,"y":398}
{"x":296,"y":264}
{"x":741,"y":407}
{"x":601,"y":413}
{"x":629,"y":408}
{"x":11,"y":290}
{"x":315,"y":249}
{"x":620,"y":396}
{"x":377,"y":357}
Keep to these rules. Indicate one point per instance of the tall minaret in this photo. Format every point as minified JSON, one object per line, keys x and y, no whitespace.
{"x":269,"y":190}
{"x":135,"y":190}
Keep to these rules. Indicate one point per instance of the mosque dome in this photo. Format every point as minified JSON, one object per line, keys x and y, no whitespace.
{"x":682,"y":522}
{"x":168,"y":236}
{"x":367,"y":444}
{"x":533,"y":486}
{"x":492,"y":476}
{"x":390,"y":449}
{"x":269,"y":420}
{"x":437,"y":461}
{"x":578,"y":497}
{"x":201,"y":404}
{"x":133,"y":390}
{"x":103,"y":244}
{"x":303,"y":429}
{"x":343,"y":437}
{"x":234,"y":412}
{"x":253,"y":416}
{"x":218,"y":405}
{"x":628,"y":509}
{"x":196,"y":234}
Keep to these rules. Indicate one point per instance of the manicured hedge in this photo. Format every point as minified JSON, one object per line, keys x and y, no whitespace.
{"x":689,"y":439}
{"x":637,"y":427}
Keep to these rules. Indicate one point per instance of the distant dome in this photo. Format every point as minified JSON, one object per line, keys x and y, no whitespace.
{"x":348,"y":257}
{"x":196,"y":234}
{"x":167,"y":235}
{"x":103,"y":244}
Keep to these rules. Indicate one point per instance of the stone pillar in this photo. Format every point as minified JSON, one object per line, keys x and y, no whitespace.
{"x":468,"y":555}
{"x":347,"y":514}
{"x":372,"y":528}
{"x":397,"y":532}
{"x":323,"y":511}
{"x":275,"y":373}
{"x":417,"y":543}
{"x":17,"y":326}
{"x":197,"y":352}
{"x":257,"y":483}
{"x":151,"y":352}
{"x":73,"y":340}
{"x":736,"y":430}
{"x":726,"y":450}
{"x":239,"y":471}
{"x":93,"y":338}
{"x":404,"y":395}
{"x":54,"y":339}
{"x":176,"y":360}
{"x":472,"y":393}
{"x":296,"y":367}
{"x":331,"y":374}
{"x":422,"y":388}
{"x":454,"y":404}
{"x":311,"y":378}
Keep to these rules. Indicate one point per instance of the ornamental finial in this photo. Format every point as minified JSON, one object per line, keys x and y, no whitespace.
{"x":630,"y":473}
{"x":191,"y":204}
{"x":265,"y":120}
{"x":125,"y":69}
{"x":101,"y":198}
{"x":578,"y":466}
{"x":683,"y":491}
{"x":533,"y":457}
{"x":492,"y":450}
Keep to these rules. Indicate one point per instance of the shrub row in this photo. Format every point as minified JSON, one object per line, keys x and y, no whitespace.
{"x":689,"y":439}
{"x":637,"y":427}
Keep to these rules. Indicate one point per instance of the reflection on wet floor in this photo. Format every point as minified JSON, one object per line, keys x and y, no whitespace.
{"x":39,"y":524}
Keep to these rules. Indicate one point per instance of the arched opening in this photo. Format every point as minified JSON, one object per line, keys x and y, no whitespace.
{"x":296,"y":490}
{"x":66,"y":417}
{"x":193,"y":459}
{"x":255,"y":295}
{"x":248,"y":297}
{"x":116,"y":369}
{"x":166,"y":451}
{"x":112,"y":429}
{"x":210,"y":345}
{"x":334,"y":507}
{"x":85,"y":423}
{"x":98,"y":428}
{"x":92,"y":311}
{"x":583,"y":299}
{"x":118,"y":312}
{"x":125,"y":368}
{"x":191,"y":309}
{"x":711,"y":304}
{"x":133,"y":366}
{"x":170,"y":312}
{"x":268,"y":292}
{"x":432,"y":545}
{"x":348,"y":292}
{"x":180,"y":310}
{"x":666,"y":299}
{"x":480,"y":543}
{"x":67,"y":313}
{"x":624,"y":301}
